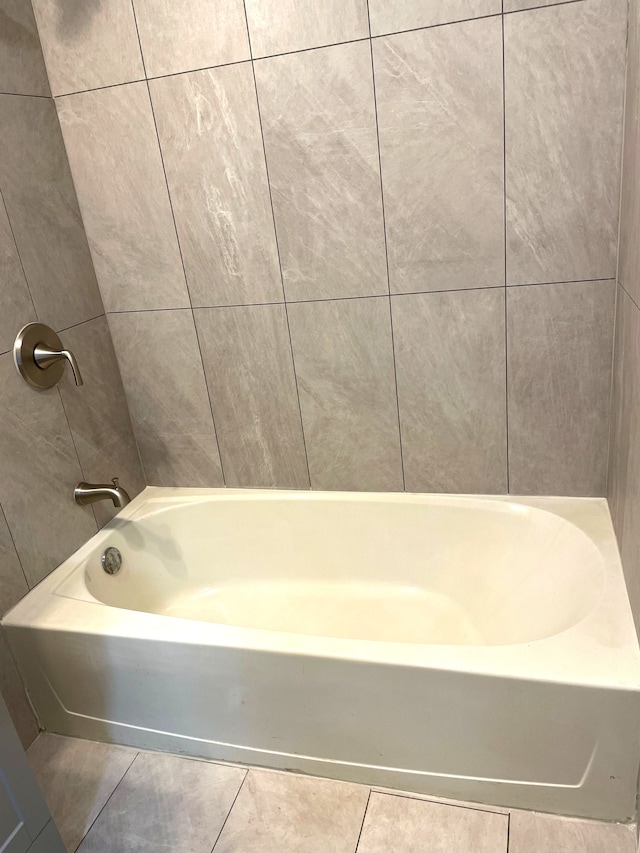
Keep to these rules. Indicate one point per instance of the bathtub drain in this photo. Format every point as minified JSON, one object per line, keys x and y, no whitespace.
{"x":112,"y":561}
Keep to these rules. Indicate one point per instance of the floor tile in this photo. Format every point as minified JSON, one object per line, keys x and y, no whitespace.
{"x":405,"y":825}
{"x":284,"y":813}
{"x":77,"y":777}
{"x":166,"y":803}
{"x":540,"y":833}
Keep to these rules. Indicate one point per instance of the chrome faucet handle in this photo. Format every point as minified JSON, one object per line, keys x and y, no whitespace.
{"x":40,"y":357}
{"x":44,"y":356}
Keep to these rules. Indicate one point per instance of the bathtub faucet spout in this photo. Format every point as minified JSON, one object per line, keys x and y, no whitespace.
{"x":88,"y":493}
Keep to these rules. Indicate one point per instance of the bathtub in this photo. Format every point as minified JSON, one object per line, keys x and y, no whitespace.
{"x":470,"y":648}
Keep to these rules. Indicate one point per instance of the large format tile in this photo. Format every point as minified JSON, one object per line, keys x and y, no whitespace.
{"x":564,"y":69}
{"x":439,"y":95}
{"x":629,"y":254}
{"x":163,"y":377}
{"x":166,"y":803}
{"x":98,"y":413}
{"x":117,"y":168}
{"x":407,"y":825}
{"x":391,"y":16}
{"x":17,"y":307}
{"x":77,"y":777}
{"x":43,"y":210}
{"x":559,"y":379}
{"x":181,"y":35}
{"x":285,"y":813}
{"x":249,"y":371}
{"x":15,"y":698}
{"x":209,"y":131}
{"x":343,"y":357}
{"x":320,"y":135}
{"x":38,"y":471}
{"x":535,"y":833}
{"x":623,"y":486}
{"x":450,"y":361}
{"x":87,"y":45}
{"x":22,"y":70}
{"x":280,"y":26}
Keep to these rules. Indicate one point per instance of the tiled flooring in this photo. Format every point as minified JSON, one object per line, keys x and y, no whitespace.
{"x":111,"y":799}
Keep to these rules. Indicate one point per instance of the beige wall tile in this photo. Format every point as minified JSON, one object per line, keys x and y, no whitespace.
{"x":439,"y":94}
{"x":559,"y":378}
{"x":209,"y":131}
{"x":22,"y":70}
{"x":87,"y":45}
{"x":43,"y":211}
{"x":182,"y":35}
{"x":117,"y":168}
{"x":564,"y":88}
{"x":280,"y":26}
{"x":343,"y":358}
{"x":249,"y":370}
{"x":391,"y":16}
{"x":450,"y":362}
{"x":320,"y":134}
{"x":163,"y":377}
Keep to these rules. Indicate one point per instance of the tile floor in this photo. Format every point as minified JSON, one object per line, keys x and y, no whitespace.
{"x":112,"y":799}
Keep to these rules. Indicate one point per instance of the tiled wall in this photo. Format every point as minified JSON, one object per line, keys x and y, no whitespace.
{"x":312,"y":271}
{"x":624,"y":460}
{"x":48,"y":440}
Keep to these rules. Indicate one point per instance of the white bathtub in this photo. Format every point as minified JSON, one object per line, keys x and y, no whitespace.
{"x":473,"y":648}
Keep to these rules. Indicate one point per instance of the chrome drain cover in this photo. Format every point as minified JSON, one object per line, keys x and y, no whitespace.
{"x":112,"y":561}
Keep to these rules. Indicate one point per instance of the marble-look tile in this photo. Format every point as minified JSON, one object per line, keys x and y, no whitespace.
{"x":182,"y":35}
{"x":117,"y":168}
{"x":15,"y":698}
{"x":98,"y":413}
{"x":286,"y":813}
{"x":559,"y":379}
{"x":392,"y":16}
{"x":407,"y":825}
{"x":280,"y":26}
{"x":249,"y":371}
{"x":38,"y":471}
{"x":22,"y":70}
{"x":439,"y":95}
{"x":564,"y":69}
{"x":343,"y":356}
{"x":166,"y":803}
{"x":77,"y":777}
{"x":43,"y":211}
{"x":164,"y":382}
{"x":629,"y":255}
{"x":17,"y":307}
{"x":87,"y":45}
{"x":209,"y":131}
{"x":320,"y":135}
{"x":535,"y":833}
{"x":520,"y":5}
{"x":13,"y":584}
{"x":450,"y":362}
{"x":623,"y":487}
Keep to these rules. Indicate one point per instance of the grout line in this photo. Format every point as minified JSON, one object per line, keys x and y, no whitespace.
{"x":97,"y":817}
{"x":184,"y":269}
{"x":82,"y":322}
{"x":628,"y":294}
{"x":545,"y":6}
{"x":366,"y":808}
{"x":427,"y":798}
{"x":275,"y":234}
{"x":75,"y":447}
{"x":230,"y":810}
{"x":99,"y":88}
{"x":386,"y":251}
{"x":504,"y":233}
{"x":564,"y":281}
{"x":199,"y":69}
{"x":508,"y":831}
{"x":23,"y":95}
{"x":15,"y":243}
{"x":15,"y":547}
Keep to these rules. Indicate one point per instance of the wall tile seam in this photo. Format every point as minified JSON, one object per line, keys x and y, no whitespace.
{"x":277,"y":243}
{"x":184,"y":269}
{"x":386,"y":252}
{"x":26,"y":95}
{"x":621,"y":285}
{"x":15,"y":547}
{"x":289,"y":52}
{"x":505,"y":250}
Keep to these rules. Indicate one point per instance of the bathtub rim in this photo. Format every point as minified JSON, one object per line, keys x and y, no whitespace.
{"x":574,"y":656}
